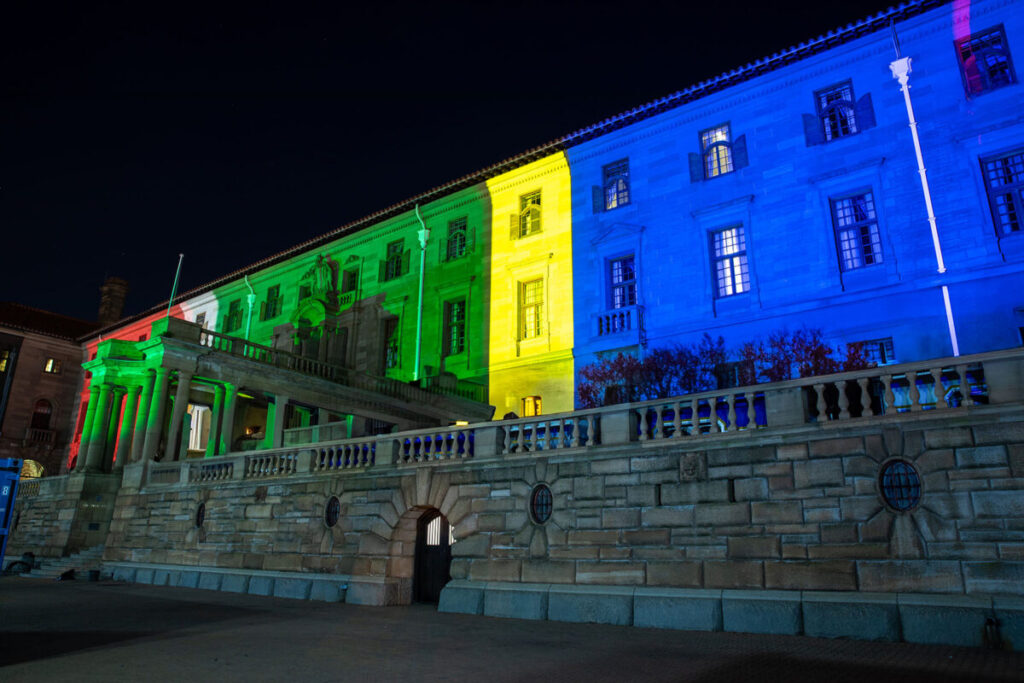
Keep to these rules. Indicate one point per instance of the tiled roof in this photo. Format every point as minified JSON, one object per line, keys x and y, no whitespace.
{"x":28,"y":319}
{"x":795,"y":53}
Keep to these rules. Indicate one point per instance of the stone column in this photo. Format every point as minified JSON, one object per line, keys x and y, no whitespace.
{"x":275,"y":424}
{"x":124,"y":439}
{"x":139,"y":433}
{"x":155,"y":418}
{"x":90,"y":417}
{"x":215,"y":415}
{"x":178,"y":416}
{"x":98,"y":431}
{"x":116,"y":403}
{"x":227,"y":421}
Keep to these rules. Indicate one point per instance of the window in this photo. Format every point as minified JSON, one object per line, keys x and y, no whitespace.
{"x":143,"y":337}
{"x":391,"y":355}
{"x":615,"y":183}
{"x":5,"y":360}
{"x":233,"y":320}
{"x":527,"y":221}
{"x":271,"y":308}
{"x":623,"y":282}
{"x":41,"y":414}
{"x":729,"y":249}
{"x":1004,"y":181}
{"x":901,"y":485}
{"x":879,"y":351}
{"x":201,"y":320}
{"x":838,"y":115}
{"x":531,"y":308}
{"x":52,"y":366}
{"x":985,"y":61}
{"x":454,"y":327}
{"x":531,"y":406}
{"x":715,"y":149}
{"x":455,"y":244}
{"x":349,"y":280}
{"x":395,"y":263}
{"x":541,"y":503}
{"x":856,"y":227}
{"x":332,"y":511}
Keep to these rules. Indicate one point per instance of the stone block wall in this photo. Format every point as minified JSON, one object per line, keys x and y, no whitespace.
{"x":58,"y":516}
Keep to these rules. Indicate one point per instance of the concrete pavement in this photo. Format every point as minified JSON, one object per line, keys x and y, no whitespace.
{"x":80,"y":631}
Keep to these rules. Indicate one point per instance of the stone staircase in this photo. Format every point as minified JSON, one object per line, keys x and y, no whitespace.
{"x":81,"y":562}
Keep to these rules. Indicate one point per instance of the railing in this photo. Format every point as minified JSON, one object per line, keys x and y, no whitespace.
{"x":619,"y":320}
{"x":437,"y":444}
{"x":28,"y":487}
{"x":346,"y":455}
{"x":887,"y":393}
{"x":39,"y":436}
{"x":552,"y":432}
{"x":332,"y":431}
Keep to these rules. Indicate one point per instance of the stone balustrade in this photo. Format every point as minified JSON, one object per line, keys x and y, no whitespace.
{"x":557,"y":432}
{"x":619,"y":320}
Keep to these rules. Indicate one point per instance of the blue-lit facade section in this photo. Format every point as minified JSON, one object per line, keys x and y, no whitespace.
{"x":794,"y":199}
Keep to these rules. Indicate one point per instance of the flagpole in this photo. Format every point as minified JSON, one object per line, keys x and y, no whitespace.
{"x":174,"y":288}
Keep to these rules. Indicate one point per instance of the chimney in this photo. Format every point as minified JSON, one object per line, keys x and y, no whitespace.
{"x":112,"y":296}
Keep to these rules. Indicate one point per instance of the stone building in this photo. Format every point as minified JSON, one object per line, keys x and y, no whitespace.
{"x":317,"y":425}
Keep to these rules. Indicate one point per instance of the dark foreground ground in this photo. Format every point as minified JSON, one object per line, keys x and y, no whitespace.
{"x":80,"y":631}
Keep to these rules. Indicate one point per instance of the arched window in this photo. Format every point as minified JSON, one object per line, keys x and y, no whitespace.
{"x":41,"y":414}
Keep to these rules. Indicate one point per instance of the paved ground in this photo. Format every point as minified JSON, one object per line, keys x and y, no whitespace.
{"x":80,"y":631}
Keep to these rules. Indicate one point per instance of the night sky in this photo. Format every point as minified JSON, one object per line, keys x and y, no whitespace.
{"x":132,"y":132}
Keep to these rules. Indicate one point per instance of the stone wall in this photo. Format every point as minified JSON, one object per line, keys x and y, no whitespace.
{"x":58,"y":516}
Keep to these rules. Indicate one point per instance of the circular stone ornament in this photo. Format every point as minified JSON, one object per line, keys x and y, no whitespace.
{"x":332,"y":511}
{"x":540,"y":503}
{"x":900,"y":485}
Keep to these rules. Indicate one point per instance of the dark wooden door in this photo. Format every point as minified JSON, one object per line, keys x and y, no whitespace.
{"x":433,"y":557}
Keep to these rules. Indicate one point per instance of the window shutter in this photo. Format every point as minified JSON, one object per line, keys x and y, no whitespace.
{"x":739,"y":153}
{"x":696,"y":168}
{"x":597,"y":197}
{"x":865,"y":113}
{"x":380,"y":274}
{"x":405,"y":261}
{"x":813,"y":133}
{"x":263,"y":310}
{"x":513,"y":231}
{"x":470,"y":240}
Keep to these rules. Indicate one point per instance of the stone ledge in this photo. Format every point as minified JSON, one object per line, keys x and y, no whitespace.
{"x":910,"y":617}
{"x":294,"y":585}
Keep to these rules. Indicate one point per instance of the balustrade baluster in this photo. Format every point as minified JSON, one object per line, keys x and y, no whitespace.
{"x":694,"y":417}
{"x":751,"y":410}
{"x":964,"y":386}
{"x":677,"y":420}
{"x":659,"y":415}
{"x":938,"y":388}
{"x":643,"y":425}
{"x":915,"y":393}
{"x":865,"y":396}
{"x":844,"y":400}
{"x":506,"y":446}
{"x":731,"y":427}
{"x":819,"y":404}
{"x":889,"y":396}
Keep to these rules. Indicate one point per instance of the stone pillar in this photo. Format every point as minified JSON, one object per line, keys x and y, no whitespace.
{"x":227,"y":422}
{"x":98,"y":432}
{"x":155,"y":418}
{"x":139,"y":437}
{"x":215,"y":415}
{"x":275,"y":424}
{"x":125,"y":438}
{"x":116,"y":403}
{"x":178,"y":416}
{"x":90,"y":417}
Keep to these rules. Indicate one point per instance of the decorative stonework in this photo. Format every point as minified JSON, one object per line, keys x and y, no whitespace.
{"x":693,"y":467}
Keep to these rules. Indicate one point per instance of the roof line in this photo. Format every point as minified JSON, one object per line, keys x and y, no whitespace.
{"x":794,"y":53}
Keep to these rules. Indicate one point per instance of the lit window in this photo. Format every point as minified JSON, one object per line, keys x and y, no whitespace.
{"x":271,"y":308}
{"x":394,"y":262}
{"x":391,"y":355}
{"x":531,"y":406}
{"x":455,"y":245}
{"x":5,"y":359}
{"x":454,"y":327}
{"x":52,"y":366}
{"x":201,"y":319}
{"x":985,"y":61}
{"x":531,"y":308}
{"x":349,"y":280}
{"x":729,"y":249}
{"x":527,"y":221}
{"x":1004,"y":181}
{"x":836,"y":111}
{"x":716,"y":150}
{"x":856,"y":227}
{"x":615,"y":183}
{"x":623,"y":282}
{"x":233,"y":320}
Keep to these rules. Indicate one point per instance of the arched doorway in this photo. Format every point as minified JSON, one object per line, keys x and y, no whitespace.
{"x":433,"y":556}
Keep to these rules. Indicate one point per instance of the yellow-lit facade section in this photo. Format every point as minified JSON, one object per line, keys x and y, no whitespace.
{"x":531,"y":321}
